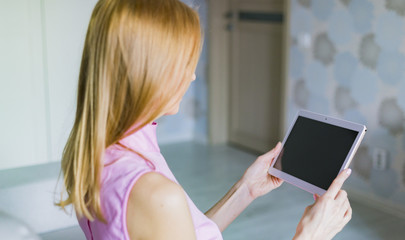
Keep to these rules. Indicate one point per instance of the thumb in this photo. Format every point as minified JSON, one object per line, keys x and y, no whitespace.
{"x":272,"y":153}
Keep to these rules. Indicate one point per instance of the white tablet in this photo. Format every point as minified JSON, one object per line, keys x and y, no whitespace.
{"x":315,"y":150}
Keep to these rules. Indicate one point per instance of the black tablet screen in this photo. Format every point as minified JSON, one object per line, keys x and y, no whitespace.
{"x":315,"y":151}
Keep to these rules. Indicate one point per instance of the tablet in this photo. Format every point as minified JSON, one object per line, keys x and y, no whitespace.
{"x":315,"y":150}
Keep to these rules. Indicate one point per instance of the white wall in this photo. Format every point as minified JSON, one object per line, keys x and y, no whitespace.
{"x":22,"y":95}
{"x":40,"y":50}
{"x":65,"y":29}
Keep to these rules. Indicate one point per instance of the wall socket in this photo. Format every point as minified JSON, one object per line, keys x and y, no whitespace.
{"x":380,"y":159}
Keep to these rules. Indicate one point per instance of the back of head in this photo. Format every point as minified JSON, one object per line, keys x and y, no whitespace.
{"x":137,"y":62}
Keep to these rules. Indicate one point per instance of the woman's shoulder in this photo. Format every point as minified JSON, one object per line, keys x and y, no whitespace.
{"x":155,"y":201}
{"x":153,"y":188}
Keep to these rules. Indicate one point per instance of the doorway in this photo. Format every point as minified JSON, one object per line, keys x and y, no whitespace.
{"x":253,"y":43}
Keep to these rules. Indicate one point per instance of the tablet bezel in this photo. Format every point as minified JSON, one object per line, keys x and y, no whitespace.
{"x":309,"y":187}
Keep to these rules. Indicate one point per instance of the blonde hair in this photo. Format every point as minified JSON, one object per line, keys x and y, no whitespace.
{"x":138,"y":59}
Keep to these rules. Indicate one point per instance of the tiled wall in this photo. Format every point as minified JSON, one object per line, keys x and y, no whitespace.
{"x":191,"y":121}
{"x":347,"y":59}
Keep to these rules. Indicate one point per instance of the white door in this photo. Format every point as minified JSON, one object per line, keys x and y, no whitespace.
{"x":256,"y":73}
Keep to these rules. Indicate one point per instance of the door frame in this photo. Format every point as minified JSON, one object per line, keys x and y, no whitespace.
{"x":219,"y":70}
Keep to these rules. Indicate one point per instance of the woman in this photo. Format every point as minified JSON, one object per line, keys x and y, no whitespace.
{"x":138,"y":61}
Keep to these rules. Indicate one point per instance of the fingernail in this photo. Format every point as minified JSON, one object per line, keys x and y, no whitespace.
{"x":348,"y":171}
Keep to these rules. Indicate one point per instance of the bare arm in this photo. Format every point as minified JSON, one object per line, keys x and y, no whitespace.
{"x":230,"y":206}
{"x":255,"y":182}
{"x":158,"y":209}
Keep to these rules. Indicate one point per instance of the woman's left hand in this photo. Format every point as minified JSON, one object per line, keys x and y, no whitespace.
{"x":255,"y":182}
{"x":257,"y":178}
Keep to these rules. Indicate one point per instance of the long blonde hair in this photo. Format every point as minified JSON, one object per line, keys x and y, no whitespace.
{"x":138,"y":59}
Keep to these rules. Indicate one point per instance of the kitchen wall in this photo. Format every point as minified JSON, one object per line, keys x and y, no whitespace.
{"x":347,"y":59}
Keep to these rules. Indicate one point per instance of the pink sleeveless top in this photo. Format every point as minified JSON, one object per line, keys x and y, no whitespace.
{"x":123,"y":168}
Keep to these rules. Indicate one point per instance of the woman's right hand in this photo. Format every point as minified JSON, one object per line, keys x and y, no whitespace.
{"x":328,"y":215}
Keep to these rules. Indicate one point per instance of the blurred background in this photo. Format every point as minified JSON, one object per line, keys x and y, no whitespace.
{"x":262,"y":61}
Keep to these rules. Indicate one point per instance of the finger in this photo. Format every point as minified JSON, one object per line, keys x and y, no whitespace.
{"x":348,"y":213}
{"x":272,"y":153}
{"x":316,"y":196}
{"x":341,"y":196}
{"x":345,"y":207}
{"x":348,"y":216}
{"x":275,"y":181}
{"x":338,"y":183}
